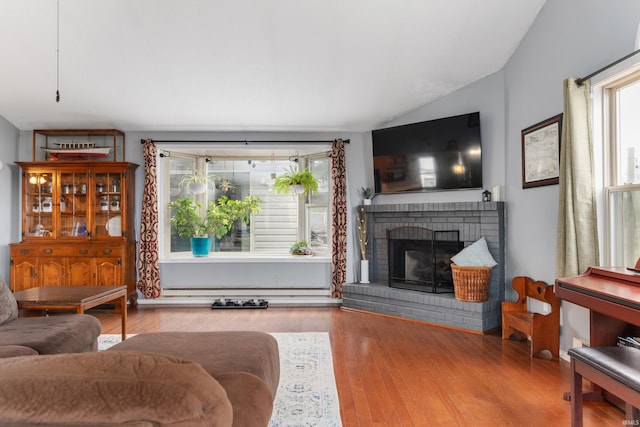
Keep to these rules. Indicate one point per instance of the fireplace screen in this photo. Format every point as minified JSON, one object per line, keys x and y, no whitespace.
{"x":420,"y":258}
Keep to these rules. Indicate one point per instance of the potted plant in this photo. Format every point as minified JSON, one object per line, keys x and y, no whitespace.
{"x":198,"y":181}
{"x":295,"y":181}
{"x":226,"y":212}
{"x":301,"y":248}
{"x":225,"y":186}
{"x":219,"y":219}
{"x":367,"y":194}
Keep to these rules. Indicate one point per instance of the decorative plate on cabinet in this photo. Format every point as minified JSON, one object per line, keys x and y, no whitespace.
{"x":114,"y":226}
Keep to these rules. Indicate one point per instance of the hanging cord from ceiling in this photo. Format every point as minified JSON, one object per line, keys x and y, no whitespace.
{"x":58,"y":52}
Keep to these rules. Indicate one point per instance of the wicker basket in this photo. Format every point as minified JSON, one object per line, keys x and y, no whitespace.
{"x":471,"y":283}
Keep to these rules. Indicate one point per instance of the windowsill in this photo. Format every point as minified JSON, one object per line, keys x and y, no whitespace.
{"x":245,"y":258}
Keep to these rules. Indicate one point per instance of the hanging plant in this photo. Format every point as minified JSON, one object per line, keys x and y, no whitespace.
{"x":225,"y":185}
{"x":284,"y":184}
{"x":198,"y":181}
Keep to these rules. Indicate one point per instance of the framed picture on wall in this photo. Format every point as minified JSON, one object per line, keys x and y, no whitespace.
{"x":541,"y":153}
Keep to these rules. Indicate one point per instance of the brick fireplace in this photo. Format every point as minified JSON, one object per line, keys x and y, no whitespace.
{"x":471,"y":220}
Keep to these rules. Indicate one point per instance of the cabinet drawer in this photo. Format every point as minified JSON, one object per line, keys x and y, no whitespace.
{"x":71,"y":251}
{"x":23,"y":250}
{"x":107,"y":251}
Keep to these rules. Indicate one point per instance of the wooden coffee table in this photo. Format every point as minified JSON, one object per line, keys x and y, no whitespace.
{"x":78,"y":298}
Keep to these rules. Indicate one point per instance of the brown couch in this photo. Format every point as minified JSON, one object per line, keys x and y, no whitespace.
{"x":162,"y":379}
{"x":66,"y":333}
{"x":246,"y":363}
{"x":110,"y":388}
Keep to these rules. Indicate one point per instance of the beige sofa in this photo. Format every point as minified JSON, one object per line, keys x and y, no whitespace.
{"x":163,"y":379}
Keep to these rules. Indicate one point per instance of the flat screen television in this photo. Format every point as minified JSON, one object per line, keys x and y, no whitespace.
{"x":441,"y":154}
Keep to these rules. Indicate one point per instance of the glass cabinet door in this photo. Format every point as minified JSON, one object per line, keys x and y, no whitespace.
{"x":73,"y":193}
{"x":107,"y":204}
{"x":39,"y":202}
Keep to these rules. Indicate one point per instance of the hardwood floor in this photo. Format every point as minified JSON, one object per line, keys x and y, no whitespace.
{"x":393,"y":372}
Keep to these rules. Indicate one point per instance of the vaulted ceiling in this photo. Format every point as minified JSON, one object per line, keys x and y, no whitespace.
{"x":240,"y":65}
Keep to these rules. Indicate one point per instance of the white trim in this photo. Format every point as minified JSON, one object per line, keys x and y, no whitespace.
{"x":602,"y":134}
{"x":279,"y":302}
{"x":247,"y":258}
{"x":628,"y":66}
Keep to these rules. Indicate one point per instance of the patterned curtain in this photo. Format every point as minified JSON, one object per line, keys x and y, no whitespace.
{"x":339,"y":219}
{"x":148,"y":265}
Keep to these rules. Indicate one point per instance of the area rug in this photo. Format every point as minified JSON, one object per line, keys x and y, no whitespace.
{"x":307,"y":394}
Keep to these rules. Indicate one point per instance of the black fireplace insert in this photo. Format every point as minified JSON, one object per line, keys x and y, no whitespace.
{"x":420,"y":258}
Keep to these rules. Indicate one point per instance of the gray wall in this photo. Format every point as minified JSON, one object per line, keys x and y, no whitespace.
{"x":487,"y":97}
{"x":9,"y":215}
{"x":568,"y":38}
{"x":355,"y":151}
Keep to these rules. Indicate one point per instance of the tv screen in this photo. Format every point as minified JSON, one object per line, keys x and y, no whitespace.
{"x":442,"y":154}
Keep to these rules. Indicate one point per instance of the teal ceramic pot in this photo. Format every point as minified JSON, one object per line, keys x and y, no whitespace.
{"x":200,"y":246}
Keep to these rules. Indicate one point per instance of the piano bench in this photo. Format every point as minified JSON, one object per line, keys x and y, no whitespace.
{"x":544,"y":329}
{"x":615,"y":369}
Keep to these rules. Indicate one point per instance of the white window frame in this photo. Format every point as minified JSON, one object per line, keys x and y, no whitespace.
{"x":184,"y":152}
{"x":604,"y":87}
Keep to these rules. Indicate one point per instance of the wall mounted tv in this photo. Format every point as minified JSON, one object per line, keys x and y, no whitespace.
{"x":441,"y":154}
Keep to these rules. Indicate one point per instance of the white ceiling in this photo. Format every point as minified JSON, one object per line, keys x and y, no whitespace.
{"x":231,"y":65}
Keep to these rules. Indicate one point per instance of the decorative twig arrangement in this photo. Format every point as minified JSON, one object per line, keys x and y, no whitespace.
{"x":362,"y":231}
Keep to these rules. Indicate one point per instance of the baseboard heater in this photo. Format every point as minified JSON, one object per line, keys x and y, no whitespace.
{"x":250,"y":303}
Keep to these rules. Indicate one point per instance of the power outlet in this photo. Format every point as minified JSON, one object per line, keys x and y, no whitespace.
{"x":579,"y":342}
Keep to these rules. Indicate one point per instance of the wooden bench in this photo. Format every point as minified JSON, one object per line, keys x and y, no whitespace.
{"x":544,"y":329}
{"x":615,"y":369}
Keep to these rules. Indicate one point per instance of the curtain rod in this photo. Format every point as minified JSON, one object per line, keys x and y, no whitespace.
{"x":245,"y":142}
{"x":580,"y":81}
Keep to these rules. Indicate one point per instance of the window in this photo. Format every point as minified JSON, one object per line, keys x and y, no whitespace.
{"x":621,"y":179}
{"x":427,"y":171}
{"x":283,"y":219}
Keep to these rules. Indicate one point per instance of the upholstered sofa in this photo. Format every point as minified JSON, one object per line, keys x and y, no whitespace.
{"x":22,"y":336}
{"x":161,"y":379}
{"x":245,"y":363}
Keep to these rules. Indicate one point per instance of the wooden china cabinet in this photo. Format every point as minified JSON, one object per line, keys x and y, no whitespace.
{"x":77,"y":225}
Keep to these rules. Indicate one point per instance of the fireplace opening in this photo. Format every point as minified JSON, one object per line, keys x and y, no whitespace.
{"x":420,"y":258}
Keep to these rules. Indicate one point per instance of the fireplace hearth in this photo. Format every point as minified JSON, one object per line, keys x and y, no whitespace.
{"x":420,"y":258}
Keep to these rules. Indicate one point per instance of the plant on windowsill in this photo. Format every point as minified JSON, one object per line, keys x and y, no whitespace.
{"x":296,"y":182}
{"x":301,"y":248}
{"x":219,"y":219}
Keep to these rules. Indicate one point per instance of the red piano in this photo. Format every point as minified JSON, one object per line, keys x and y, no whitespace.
{"x":612,"y":295}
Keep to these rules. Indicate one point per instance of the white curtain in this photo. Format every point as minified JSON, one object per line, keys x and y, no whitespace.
{"x":577,"y":240}
{"x":624,"y":214}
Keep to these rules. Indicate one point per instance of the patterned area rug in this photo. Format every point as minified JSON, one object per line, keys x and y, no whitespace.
{"x":307,"y":394}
